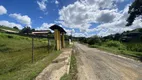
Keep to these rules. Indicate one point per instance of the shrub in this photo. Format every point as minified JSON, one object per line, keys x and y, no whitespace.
{"x":134,"y":47}
{"x":115,"y":44}
{"x":94,"y":40}
{"x":9,"y":36}
{"x":141,"y":38}
{"x":93,"y":46}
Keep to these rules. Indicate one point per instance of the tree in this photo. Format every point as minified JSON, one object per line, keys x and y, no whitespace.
{"x":94,"y":40}
{"x":26,"y":30}
{"x":15,"y":27}
{"x":135,"y":10}
{"x":117,"y":36}
{"x":141,"y":38}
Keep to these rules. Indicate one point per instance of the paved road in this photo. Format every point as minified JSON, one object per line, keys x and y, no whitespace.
{"x":94,"y":64}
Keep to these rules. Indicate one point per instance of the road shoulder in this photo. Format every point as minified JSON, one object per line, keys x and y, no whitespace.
{"x":57,"y":68}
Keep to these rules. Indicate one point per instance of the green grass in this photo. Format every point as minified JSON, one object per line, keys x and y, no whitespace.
{"x":118,"y":51}
{"x":8,"y":28}
{"x":73,"y":70}
{"x":15,"y":57}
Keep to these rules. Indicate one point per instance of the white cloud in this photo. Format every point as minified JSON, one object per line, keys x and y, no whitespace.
{"x":44,"y":26}
{"x":24,"y":19}
{"x":74,"y":16}
{"x":56,"y":2}
{"x":42,"y":4}
{"x":79,"y":35}
{"x":83,"y":13}
{"x":46,"y":13}
{"x":10,"y":24}
{"x":105,"y":16}
{"x":40,"y":17}
{"x":78,"y":15}
{"x":117,"y":26}
{"x":101,"y":4}
{"x":69,"y":31}
{"x":2,"y":10}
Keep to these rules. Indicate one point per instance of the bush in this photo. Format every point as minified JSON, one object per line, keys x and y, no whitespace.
{"x":134,"y":47}
{"x":115,"y":44}
{"x":9,"y":36}
{"x":83,"y":39}
{"x":93,"y":46}
{"x":94,"y":40}
{"x":141,"y":38}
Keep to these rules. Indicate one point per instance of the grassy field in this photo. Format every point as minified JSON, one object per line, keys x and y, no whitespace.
{"x":15,"y":57}
{"x":132,"y":50}
{"x":7,"y":28}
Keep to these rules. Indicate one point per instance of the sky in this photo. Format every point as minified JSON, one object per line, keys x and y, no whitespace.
{"x":83,"y":18}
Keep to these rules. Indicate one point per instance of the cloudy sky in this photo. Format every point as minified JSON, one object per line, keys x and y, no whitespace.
{"x":81,"y":17}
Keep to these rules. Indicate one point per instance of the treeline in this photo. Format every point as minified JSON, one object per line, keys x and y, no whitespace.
{"x":134,"y":36}
{"x":26,"y":31}
{"x":128,"y":43}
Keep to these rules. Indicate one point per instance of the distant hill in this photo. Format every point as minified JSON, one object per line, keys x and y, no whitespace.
{"x":127,"y":36}
{"x":8,"y":29}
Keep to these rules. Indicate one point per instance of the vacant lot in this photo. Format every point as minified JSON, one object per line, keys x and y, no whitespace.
{"x":15,"y":57}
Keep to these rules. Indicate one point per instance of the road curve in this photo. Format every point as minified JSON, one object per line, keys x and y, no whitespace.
{"x":94,"y":64}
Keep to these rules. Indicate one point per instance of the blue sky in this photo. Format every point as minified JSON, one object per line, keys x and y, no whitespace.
{"x":82,"y":17}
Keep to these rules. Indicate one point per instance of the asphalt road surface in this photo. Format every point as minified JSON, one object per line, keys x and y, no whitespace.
{"x":94,"y":64}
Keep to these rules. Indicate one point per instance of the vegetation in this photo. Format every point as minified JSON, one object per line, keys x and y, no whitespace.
{"x":127,"y":43}
{"x":15,"y":27}
{"x":121,"y":49}
{"x":8,"y":28}
{"x":94,"y":40}
{"x":26,"y":30}
{"x":135,"y":10}
{"x":114,"y":44}
{"x":73,"y":70}
{"x":15,"y":57}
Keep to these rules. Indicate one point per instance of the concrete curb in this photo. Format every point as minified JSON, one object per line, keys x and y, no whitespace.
{"x":69,"y":60}
{"x":58,"y":67}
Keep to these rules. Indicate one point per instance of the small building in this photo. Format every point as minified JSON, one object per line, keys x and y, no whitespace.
{"x":59,"y":33}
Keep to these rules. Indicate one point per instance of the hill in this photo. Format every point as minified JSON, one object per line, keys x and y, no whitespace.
{"x":16,"y":54}
{"x":8,"y":29}
{"x":128,"y":36}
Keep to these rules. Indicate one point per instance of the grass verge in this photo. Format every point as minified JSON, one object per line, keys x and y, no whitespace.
{"x":126,"y":53}
{"x":30,"y":71}
{"x":73,"y":70}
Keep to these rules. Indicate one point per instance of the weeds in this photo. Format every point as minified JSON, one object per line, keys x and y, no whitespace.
{"x":133,"y":50}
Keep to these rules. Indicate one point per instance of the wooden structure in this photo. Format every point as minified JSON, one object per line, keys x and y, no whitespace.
{"x":35,"y":33}
{"x":59,"y":33}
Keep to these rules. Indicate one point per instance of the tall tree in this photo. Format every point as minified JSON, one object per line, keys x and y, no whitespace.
{"x":15,"y":27}
{"x":26,"y":30}
{"x":135,"y":10}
